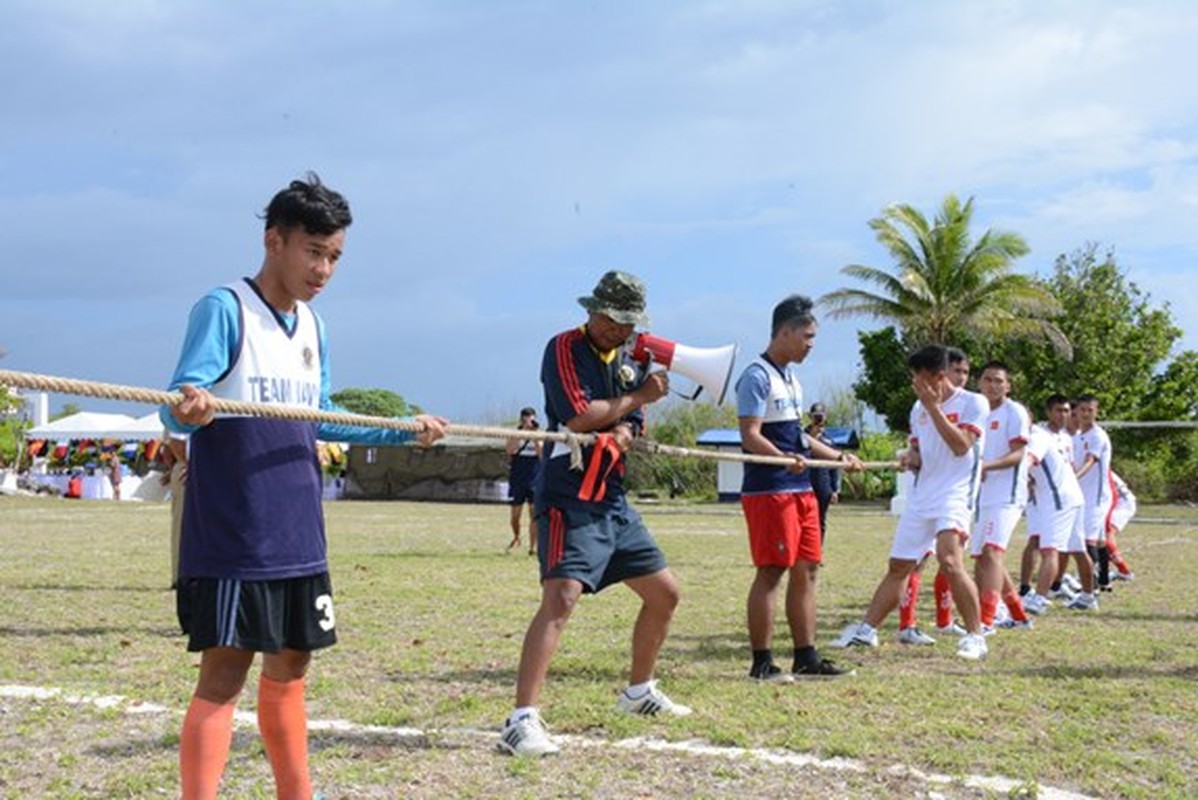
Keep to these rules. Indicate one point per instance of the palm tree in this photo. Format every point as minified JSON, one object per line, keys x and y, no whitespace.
{"x":943,"y":288}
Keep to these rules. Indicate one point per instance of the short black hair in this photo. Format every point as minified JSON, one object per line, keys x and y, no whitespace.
{"x":1085,"y":398}
{"x":1054,"y":400}
{"x":931,"y":357}
{"x":956,"y":355}
{"x":528,"y":411}
{"x":310,"y":205}
{"x":996,"y":364}
{"x":792,"y":312}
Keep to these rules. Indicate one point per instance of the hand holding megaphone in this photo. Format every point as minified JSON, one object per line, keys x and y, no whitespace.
{"x":655,"y":386}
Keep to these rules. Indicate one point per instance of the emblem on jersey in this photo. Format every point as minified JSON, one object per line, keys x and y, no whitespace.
{"x":309,"y":358}
{"x":994,"y":425}
{"x":953,"y":417}
{"x":626,"y":375}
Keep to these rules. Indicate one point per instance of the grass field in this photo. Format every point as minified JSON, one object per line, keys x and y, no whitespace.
{"x":430,"y":617}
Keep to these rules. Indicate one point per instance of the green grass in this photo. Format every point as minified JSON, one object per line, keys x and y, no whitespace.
{"x":430,"y":617}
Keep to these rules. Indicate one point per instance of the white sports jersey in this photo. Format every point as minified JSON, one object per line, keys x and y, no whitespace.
{"x":1063,"y":439}
{"x":1007,"y":427}
{"x":1096,"y":483}
{"x":1056,"y":486}
{"x":273,"y":365}
{"x":946,"y":481}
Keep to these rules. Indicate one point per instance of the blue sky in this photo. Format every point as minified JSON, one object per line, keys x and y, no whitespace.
{"x":499,"y":157}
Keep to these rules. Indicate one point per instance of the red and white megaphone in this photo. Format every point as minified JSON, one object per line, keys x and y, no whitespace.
{"x":710,"y":367}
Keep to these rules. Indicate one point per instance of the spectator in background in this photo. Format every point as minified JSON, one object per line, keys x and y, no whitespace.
{"x":114,"y":473}
{"x":524,"y":455}
{"x":174,"y":456}
{"x":825,"y":481}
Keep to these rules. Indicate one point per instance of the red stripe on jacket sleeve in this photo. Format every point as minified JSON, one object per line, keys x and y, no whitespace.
{"x":567,"y":373}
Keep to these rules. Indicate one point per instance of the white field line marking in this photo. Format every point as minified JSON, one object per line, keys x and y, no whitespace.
{"x":694,"y":747}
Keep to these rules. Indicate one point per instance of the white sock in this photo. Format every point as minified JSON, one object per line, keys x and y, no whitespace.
{"x":639,"y":690}
{"x":520,"y":713}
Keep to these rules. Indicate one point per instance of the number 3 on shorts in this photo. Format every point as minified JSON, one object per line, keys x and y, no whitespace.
{"x":324,"y":604}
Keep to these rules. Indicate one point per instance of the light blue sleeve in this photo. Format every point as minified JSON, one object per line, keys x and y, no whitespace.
{"x":213,"y":330}
{"x":751,"y":392}
{"x":353,"y":434}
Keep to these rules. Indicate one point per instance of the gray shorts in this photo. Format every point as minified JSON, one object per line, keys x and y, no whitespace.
{"x":596,"y":549}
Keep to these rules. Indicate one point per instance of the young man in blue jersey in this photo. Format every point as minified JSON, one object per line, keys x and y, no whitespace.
{"x":780,"y":507}
{"x":588,"y":537}
{"x":253,"y":572}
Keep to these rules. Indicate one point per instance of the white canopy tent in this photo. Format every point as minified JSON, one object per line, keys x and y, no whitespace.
{"x":84,"y":425}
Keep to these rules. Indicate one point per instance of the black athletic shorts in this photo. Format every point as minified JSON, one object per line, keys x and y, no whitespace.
{"x":263,"y":616}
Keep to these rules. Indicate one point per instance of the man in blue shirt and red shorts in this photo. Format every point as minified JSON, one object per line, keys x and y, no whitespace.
{"x":588,"y":537}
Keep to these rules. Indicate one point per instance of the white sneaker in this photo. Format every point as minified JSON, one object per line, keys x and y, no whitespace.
{"x":1084,"y":602}
{"x":1034,"y":603}
{"x":1064,"y":593}
{"x":914,"y":635}
{"x":526,"y":737}
{"x":1123,"y":576}
{"x":857,"y":635}
{"x":987,"y":630}
{"x":1073,"y":583}
{"x":1002,"y":614}
{"x":952,"y":629}
{"x":651,"y":703}
{"x":972,"y":647}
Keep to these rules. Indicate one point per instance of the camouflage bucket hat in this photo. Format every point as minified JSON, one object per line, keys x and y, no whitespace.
{"x":620,"y":296}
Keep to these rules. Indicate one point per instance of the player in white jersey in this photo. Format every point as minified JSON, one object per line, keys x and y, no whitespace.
{"x":1121,"y":514}
{"x":947,"y":430}
{"x":1054,"y":521}
{"x":1002,"y":497}
{"x":909,"y":632}
{"x":1057,"y":410}
{"x":1092,"y":460}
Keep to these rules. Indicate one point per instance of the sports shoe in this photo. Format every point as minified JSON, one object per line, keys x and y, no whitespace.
{"x":1073,"y":583}
{"x":651,"y":703}
{"x":1034,"y":603}
{"x":914,"y":635}
{"x":1001,"y":614}
{"x":857,"y":635}
{"x":1123,"y":576}
{"x":951,"y":629}
{"x":1063,"y":593}
{"x":1084,"y":602}
{"x":987,"y":630}
{"x":526,"y":737}
{"x":972,"y":647}
{"x":772,"y":674}
{"x":1015,"y":624}
{"x":825,"y":669}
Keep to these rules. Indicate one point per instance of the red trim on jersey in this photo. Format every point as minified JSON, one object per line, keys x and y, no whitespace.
{"x":557,"y":538}
{"x":564,"y":349}
{"x":1017,"y":440}
{"x":972,"y":428}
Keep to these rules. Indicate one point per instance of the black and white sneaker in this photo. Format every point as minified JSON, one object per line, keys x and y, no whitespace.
{"x":526,"y":737}
{"x":653,"y":702}
{"x":772,"y":673}
{"x":823,"y":669}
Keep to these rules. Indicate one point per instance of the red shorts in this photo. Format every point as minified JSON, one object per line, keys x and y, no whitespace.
{"x":783,"y":528}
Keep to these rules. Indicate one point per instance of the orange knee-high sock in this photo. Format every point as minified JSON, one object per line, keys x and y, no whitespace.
{"x":1015,"y":606}
{"x":944,"y":600}
{"x":204,"y":747}
{"x":907,"y":604}
{"x":1116,"y":556}
{"x":283,"y":723}
{"x":989,"y":606}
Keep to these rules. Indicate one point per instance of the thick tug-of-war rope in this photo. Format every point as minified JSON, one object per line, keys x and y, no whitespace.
{"x":575,"y":441}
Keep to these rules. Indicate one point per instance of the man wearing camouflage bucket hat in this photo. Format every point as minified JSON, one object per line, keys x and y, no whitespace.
{"x":588,"y":537}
